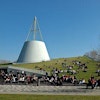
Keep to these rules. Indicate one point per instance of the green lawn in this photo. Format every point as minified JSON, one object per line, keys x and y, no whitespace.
{"x":46,"y":97}
{"x":57,"y":63}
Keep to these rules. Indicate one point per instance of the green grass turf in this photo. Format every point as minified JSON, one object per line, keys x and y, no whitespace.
{"x":46,"y":97}
{"x":57,"y":63}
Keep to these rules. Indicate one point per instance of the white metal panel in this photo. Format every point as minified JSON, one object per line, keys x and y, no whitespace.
{"x":33,"y":51}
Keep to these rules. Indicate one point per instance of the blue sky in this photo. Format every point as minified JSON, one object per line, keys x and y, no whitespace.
{"x":69,"y":27}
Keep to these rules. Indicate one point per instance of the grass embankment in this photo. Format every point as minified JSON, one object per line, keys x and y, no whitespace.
{"x":46,"y":97}
{"x":57,"y":63}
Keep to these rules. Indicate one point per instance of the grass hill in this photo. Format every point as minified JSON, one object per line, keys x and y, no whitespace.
{"x":63,"y":63}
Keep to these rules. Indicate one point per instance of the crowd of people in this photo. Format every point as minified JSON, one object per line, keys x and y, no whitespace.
{"x":93,"y":82}
{"x":19,"y":77}
{"x":53,"y":79}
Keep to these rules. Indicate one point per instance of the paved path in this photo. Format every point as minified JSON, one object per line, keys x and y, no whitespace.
{"x":55,"y":90}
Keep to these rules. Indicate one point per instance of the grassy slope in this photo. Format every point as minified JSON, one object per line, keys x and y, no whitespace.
{"x":57,"y":63}
{"x":46,"y":97}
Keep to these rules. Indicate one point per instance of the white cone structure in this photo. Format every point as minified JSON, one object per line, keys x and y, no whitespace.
{"x":34,"y":50}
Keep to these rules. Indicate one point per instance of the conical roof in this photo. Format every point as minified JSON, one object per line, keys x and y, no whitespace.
{"x":34,"y":50}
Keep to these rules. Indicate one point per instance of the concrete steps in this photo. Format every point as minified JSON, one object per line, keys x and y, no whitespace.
{"x":47,"y":89}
